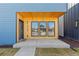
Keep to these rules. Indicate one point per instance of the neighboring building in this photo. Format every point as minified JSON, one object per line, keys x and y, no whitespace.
{"x":70,"y":5}
{"x":71,"y":22}
{"x":22,"y":21}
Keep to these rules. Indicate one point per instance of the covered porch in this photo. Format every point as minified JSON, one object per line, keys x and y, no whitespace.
{"x":39,"y":30}
{"x":37,"y":25}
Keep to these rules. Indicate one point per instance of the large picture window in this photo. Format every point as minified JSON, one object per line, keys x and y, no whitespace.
{"x":51,"y":28}
{"x":43,"y":28}
{"x":34,"y":29}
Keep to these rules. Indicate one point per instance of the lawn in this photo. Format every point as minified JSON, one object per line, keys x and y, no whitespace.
{"x":56,"y":52}
{"x":8,"y":51}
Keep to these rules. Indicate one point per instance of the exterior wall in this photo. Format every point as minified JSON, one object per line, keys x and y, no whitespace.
{"x":8,"y":18}
{"x":27,"y":27}
{"x":70,"y":19}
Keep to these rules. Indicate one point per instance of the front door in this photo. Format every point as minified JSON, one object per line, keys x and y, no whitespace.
{"x":21,"y":30}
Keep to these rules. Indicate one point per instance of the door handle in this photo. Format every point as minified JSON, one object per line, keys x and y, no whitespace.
{"x":76,"y":24}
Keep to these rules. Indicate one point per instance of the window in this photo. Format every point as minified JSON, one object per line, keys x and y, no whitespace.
{"x":34,"y":29}
{"x":42,"y":28}
{"x":51,"y":28}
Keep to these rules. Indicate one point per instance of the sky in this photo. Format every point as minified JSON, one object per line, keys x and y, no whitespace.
{"x":35,"y":24}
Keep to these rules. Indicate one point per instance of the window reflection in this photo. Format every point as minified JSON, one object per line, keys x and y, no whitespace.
{"x":34,"y":28}
{"x":51,"y":28}
{"x":42,"y":28}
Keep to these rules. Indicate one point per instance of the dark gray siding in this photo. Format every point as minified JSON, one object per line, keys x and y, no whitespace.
{"x":69,"y":23}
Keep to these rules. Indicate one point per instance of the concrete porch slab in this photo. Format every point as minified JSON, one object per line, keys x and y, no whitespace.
{"x":42,"y":43}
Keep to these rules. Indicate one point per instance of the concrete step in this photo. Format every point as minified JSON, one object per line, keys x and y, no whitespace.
{"x":42,"y":44}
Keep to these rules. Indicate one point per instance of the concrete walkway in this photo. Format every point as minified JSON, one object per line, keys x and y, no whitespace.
{"x":28,"y":47}
{"x":26,"y":51}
